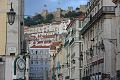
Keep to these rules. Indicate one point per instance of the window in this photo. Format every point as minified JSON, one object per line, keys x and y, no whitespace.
{"x":37,"y":68}
{"x":36,"y":52}
{"x":36,"y":57}
{"x":41,"y":61}
{"x":84,"y":73}
{"x":46,"y":68}
{"x":119,"y":35}
{"x":73,"y":70}
{"x":31,"y":57}
{"x":46,"y":60}
{"x":88,"y":35}
{"x":101,"y":2}
{"x":31,"y":62}
{"x":98,"y":6}
{"x":41,"y":69}
{"x":31,"y":68}
{"x":91,"y":69}
{"x":95,"y":10}
{"x":36,"y":62}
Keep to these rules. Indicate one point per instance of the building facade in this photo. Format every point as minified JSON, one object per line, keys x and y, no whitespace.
{"x":99,"y":52}
{"x":58,"y":14}
{"x":83,"y":8}
{"x":49,"y":35}
{"x":45,"y":34}
{"x":59,"y":63}
{"x":39,"y":63}
{"x":11,"y":38}
{"x":58,"y":59}
{"x":44,"y":13}
{"x":3,"y":8}
{"x":117,"y":19}
{"x":73,"y":48}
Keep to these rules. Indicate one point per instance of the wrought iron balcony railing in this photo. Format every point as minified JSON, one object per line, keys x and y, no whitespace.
{"x":102,"y":11}
{"x":92,"y":4}
{"x":72,"y":41}
{"x":66,"y":43}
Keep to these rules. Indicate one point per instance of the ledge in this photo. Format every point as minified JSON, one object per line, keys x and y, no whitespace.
{"x":102,"y":11}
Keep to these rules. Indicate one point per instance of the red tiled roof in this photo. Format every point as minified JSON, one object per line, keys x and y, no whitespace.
{"x":40,"y":42}
{"x":81,"y":17}
{"x":52,"y":47}
{"x":56,"y":43}
{"x":49,"y":36}
{"x":39,"y":46}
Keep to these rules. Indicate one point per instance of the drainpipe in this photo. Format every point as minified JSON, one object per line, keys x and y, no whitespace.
{"x":15,"y":61}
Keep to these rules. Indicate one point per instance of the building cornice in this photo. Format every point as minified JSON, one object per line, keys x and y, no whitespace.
{"x":104,"y":10}
{"x":115,"y":1}
{"x":92,"y":4}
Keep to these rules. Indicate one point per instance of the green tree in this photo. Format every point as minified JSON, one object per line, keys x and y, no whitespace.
{"x":49,"y":18}
{"x":72,"y":14}
{"x":28,"y":21}
{"x":37,"y":19}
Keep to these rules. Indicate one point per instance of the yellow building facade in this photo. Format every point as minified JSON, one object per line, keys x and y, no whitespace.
{"x":11,"y":39}
{"x":3,"y":17}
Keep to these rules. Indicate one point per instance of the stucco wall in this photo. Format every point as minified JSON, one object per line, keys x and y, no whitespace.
{"x":3,"y":8}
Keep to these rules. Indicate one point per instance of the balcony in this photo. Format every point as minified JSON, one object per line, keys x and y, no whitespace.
{"x":92,"y":4}
{"x":104,"y":10}
{"x":68,"y":34}
{"x":72,"y":41}
{"x":77,"y":39}
{"x":66,"y":43}
{"x":67,"y":77}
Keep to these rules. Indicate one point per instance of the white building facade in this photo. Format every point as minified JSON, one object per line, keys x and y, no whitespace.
{"x":99,"y":52}
{"x":39,"y":63}
{"x":45,"y":34}
{"x":117,"y":20}
{"x":73,"y":47}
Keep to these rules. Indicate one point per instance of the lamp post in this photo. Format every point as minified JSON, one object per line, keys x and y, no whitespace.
{"x":11,"y":15}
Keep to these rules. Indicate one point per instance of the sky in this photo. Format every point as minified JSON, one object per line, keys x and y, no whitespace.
{"x":37,"y":6}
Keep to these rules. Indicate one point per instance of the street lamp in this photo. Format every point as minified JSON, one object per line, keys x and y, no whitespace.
{"x":11,"y":15}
